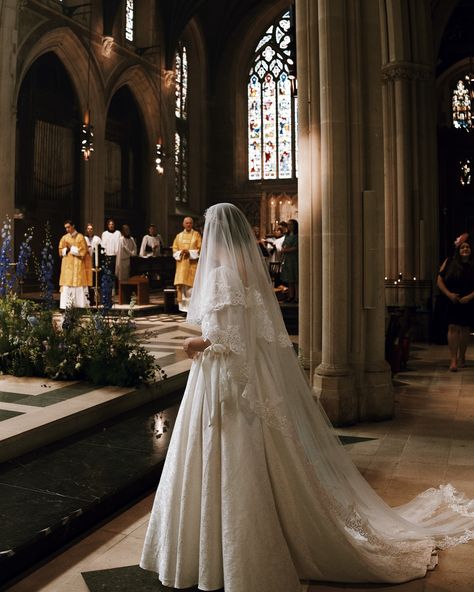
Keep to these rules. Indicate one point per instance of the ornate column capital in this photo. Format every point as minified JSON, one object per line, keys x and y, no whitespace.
{"x":169,"y":77}
{"x":406,"y":71}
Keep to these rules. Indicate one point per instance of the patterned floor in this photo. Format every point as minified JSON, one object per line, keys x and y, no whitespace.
{"x":33,"y":405}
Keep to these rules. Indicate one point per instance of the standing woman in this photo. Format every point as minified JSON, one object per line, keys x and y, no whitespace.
{"x":289,"y":267}
{"x":456,"y":281}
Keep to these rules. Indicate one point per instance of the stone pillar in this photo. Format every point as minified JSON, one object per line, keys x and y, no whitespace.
{"x":309,"y":185}
{"x":334,"y":379}
{"x":410,"y":140}
{"x":8,"y":59}
{"x":93,"y":178}
{"x":376,"y":400}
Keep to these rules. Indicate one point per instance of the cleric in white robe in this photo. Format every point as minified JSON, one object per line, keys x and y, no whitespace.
{"x":127,"y":248}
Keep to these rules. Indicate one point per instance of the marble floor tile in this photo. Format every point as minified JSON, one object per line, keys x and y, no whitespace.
{"x":53,"y":575}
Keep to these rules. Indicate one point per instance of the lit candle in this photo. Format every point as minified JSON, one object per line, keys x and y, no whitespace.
{"x":96,"y":256}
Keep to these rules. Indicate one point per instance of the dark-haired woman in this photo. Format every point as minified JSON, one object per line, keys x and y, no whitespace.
{"x":456,"y":281}
{"x":289,"y":267}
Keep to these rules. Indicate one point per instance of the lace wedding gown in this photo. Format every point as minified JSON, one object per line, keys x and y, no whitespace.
{"x":257,"y":493}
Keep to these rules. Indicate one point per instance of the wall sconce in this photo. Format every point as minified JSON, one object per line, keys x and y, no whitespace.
{"x":160,"y":158}
{"x":87,"y":137}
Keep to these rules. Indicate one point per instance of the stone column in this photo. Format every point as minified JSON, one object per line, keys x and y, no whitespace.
{"x":375,"y":391}
{"x":309,"y":185}
{"x":8,"y":59}
{"x":410,"y":140}
{"x":334,"y":380}
{"x":93,"y":177}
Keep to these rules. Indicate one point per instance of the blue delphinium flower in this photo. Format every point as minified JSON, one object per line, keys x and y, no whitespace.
{"x":6,"y":256}
{"x":106,"y":286}
{"x":24,"y":255}
{"x":45,"y":269}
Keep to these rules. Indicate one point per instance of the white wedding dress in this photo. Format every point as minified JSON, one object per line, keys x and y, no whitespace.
{"x":257,"y":493}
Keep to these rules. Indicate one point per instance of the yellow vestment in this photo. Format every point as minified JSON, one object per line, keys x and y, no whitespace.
{"x":73,"y":267}
{"x":186,"y":265}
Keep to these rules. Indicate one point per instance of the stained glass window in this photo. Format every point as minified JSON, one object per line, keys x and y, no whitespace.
{"x":463,"y":95}
{"x":272,"y":116}
{"x":129,"y":20}
{"x":181,"y":113}
{"x":181,"y":73}
{"x":465,"y":172}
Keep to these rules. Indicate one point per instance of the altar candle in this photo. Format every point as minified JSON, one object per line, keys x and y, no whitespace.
{"x":96,"y":256}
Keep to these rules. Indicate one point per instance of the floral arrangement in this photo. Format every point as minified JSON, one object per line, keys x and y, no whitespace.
{"x":84,"y":346}
{"x":104,"y":350}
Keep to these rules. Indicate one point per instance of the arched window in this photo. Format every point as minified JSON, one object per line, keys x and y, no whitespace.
{"x":182,"y":130}
{"x":463,"y":96}
{"x":129,"y":21}
{"x":272,"y":105}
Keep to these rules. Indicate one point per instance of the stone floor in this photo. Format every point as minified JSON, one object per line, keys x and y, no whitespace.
{"x":430,"y":441}
{"x":33,"y":404}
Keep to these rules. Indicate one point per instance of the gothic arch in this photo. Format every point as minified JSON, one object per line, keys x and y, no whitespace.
{"x":75,"y":58}
{"x":248,"y":36}
{"x":145,"y":94}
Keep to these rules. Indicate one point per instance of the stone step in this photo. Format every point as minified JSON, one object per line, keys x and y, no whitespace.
{"x":71,"y":409}
{"x":58,"y":492}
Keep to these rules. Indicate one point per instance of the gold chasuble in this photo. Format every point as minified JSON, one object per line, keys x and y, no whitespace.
{"x":73,"y":279}
{"x":186,"y":264}
{"x":73,"y":267}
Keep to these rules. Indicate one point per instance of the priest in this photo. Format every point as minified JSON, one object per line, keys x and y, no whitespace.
{"x":73,"y":279}
{"x":186,"y":248}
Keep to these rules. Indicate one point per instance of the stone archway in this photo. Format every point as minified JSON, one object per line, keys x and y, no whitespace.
{"x":47,"y":168}
{"x":88,"y":85}
{"x":146,"y":96}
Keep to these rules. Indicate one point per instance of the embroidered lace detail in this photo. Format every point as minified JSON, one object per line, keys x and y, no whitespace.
{"x":264,"y":325}
{"x":229,"y":291}
{"x":447,"y":495}
{"x":453,"y":541}
{"x":273,"y":416}
{"x":284,"y":340}
{"x":384,"y":551}
{"x":230,"y":337}
{"x":225,"y":294}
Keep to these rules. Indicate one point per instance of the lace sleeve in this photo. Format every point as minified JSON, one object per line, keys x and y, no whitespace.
{"x":224,"y":312}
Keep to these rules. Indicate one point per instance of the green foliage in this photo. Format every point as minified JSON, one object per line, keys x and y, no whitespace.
{"x":34,"y":342}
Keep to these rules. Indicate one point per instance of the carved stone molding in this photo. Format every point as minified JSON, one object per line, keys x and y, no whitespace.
{"x":169,"y":77}
{"x":107,"y":46}
{"x":406,"y":71}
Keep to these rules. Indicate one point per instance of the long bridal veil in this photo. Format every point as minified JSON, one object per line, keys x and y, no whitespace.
{"x":232,"y":276}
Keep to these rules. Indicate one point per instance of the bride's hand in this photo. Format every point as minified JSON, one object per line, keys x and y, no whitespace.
{"x":194,"y":345}
{"x":188,"y":347}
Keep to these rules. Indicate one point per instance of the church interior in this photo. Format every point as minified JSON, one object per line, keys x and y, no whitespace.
{"x":354,"y":118}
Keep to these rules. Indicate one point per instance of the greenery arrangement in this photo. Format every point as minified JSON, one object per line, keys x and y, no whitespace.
{"x":78,"y":345}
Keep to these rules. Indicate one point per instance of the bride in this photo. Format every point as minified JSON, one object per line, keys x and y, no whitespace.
{"x":257,"y":493}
